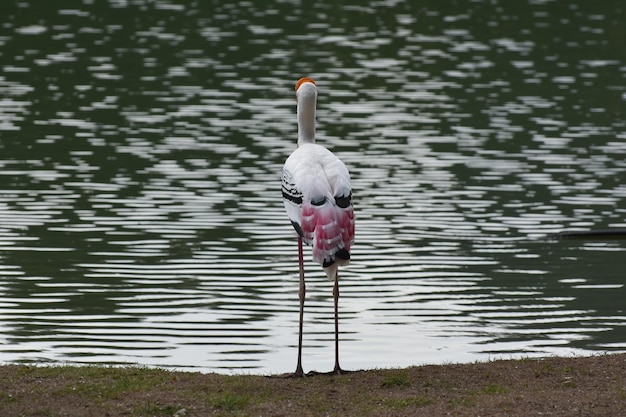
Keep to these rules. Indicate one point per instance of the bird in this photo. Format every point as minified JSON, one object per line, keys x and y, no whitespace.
{"x":317,"y":195}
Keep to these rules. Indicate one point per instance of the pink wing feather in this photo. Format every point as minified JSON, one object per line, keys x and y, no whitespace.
{"x":330,"y":229}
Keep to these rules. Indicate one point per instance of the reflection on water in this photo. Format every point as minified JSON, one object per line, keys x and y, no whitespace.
{"x":140,"y":211}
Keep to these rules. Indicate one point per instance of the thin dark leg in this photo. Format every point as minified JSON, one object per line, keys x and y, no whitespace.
{"x":301,"y":293}
{"x":337,"y":369}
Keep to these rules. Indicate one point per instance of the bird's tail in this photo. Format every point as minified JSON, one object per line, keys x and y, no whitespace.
{"x":330,"y":229}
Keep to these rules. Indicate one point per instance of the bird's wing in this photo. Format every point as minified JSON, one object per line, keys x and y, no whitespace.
{"x":331,"y":229}
{"x":318,"y":199}
{"x":292,"y":197}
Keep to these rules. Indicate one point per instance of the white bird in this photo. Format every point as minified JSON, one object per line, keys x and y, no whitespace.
{"x":318,"y":199}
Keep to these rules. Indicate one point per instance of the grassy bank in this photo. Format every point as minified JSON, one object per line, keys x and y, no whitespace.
{"x":552,"y":386}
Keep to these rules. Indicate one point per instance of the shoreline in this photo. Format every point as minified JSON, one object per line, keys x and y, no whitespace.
{"x":594,"y":385}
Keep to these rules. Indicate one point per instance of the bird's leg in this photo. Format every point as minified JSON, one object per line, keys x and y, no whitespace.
{"x":301,"y":294}
{"x":337,"y":369}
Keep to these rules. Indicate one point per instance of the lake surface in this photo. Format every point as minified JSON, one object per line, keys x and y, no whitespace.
{"x":141,"y":144}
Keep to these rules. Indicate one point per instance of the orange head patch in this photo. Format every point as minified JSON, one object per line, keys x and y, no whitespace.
{"x":304,"y":80}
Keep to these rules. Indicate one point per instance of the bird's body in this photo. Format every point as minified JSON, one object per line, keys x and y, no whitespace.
{"x":318,"y":199}
{"x":316,"y":187}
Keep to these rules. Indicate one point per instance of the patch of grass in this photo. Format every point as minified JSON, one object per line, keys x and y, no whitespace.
{"x":156,"y":410}
{"x":493,"y":389}
{"x":228,"y":401}
{"x":473,"y":397}
{"x":104,"y":383}
{"x":465,"y":401}
{"x":546,"y":369}
{"x":402,"y":403}
{"x":396,"y":379}
{"x":549,"y":369}
{"x":5,"y":398}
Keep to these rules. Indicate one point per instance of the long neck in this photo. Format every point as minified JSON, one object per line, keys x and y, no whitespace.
{"x":306,"y":118}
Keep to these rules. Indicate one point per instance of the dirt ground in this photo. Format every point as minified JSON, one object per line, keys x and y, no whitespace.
{"x":580,"y":386}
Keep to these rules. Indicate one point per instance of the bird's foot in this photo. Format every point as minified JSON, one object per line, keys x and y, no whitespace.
{"x":297,"y":374}
{"x":339,"y":371}
{"x":336,"y":371}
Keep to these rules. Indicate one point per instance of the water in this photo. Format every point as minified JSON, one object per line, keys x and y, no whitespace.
{"x":141,"y":220}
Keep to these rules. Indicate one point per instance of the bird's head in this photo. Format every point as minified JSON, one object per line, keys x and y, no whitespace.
{"x":305,"y":87}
